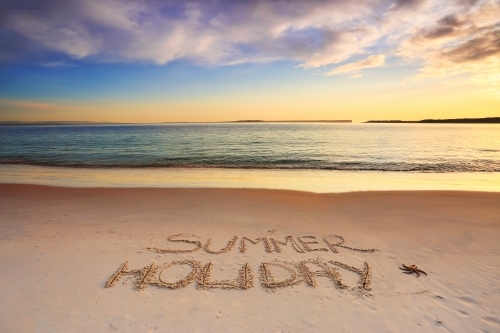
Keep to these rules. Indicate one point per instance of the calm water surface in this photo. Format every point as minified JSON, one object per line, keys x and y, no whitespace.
{"x":355,"y":147}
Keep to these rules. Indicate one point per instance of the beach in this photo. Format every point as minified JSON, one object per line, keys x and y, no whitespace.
{"x":250,"y":166}
{"x":61,"y":247}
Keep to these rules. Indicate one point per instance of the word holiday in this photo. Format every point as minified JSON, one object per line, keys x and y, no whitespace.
{"x":303,"y":271}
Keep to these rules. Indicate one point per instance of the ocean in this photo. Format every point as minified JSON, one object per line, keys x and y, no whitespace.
{"x":428,"y":148}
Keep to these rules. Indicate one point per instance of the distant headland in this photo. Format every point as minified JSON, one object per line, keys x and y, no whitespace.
{"x":56,"y":123}
{"x":490,"y":120}
{"x":291,"y":121}
{"x":172,"y":122}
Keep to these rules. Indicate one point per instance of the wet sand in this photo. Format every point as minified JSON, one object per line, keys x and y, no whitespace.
{"x":59,"y":248}
{"x":317,"y":181}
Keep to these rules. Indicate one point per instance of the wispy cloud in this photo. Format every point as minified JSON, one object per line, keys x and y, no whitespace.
{"x":370,"y":62}
{"x":58,"y":63}
{"x":466,"y":42}
{"x":32,"y":104}
{"x":448,"y":37}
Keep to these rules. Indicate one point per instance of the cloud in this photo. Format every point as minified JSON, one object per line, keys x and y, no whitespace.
{"x":58,"y":63}
{"x":464,"y":44}
{"x":408,"y":4}
{"x":476,"y":58}
{"x":467,"y":3}
{"x":478,"y":48}
{"x":31,"y":104}
{"x":444,"y":36}
{"x":312,"y":33}
{"x":370,"y":62}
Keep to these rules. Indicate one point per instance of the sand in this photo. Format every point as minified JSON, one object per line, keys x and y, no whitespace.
{"x":317,"y":181}
{"x":100,"y":260}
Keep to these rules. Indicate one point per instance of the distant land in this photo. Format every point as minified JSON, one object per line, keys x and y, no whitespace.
{"x":55,"y":123}
{"x":172,"y":122}
{"x":291,"y":121}
{"x":490,"y":120}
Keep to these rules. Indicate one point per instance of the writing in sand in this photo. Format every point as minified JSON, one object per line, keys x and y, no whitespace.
{"x":304,"y":271}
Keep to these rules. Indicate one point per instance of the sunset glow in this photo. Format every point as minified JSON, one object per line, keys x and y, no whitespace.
{"x":166,"y":61}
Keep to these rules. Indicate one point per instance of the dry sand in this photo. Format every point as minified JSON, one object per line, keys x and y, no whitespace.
{"x":59,"y":247}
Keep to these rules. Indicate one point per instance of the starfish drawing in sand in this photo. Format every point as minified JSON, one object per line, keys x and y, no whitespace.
{"x":412,"y":269}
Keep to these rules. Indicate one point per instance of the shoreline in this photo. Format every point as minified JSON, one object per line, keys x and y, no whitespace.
{"x":63,"y":246}
{"x":315,"y":181}
{"x":23,"y":186}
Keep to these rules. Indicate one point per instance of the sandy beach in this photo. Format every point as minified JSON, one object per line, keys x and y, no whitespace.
{"x":250,"y":166}
{"x":60,"y":247}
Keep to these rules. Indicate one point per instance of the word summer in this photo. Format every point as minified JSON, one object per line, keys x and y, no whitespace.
{"x":304,"y":271}
{"x":302,"y":244}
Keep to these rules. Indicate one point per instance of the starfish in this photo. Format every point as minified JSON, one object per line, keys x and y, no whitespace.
{"x":412,"y":269}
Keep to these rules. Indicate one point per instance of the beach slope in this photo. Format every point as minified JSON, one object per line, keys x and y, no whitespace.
{"x":339,"y":271}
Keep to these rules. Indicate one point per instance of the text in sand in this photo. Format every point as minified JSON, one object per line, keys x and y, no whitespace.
{"x":298,"y":272}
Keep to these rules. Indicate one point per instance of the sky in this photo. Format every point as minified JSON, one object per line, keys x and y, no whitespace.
{"x":223,"y":60}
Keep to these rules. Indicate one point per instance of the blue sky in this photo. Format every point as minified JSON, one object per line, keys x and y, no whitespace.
{"x":199,"y":57}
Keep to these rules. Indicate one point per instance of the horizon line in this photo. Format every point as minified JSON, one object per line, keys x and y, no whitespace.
{"x":86,"y":122}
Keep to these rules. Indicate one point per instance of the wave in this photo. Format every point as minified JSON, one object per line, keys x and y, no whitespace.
{"x":482,"y":166}
{"x":282,"y":147}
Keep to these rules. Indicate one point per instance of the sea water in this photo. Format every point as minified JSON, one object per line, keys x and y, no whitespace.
{"x":299,"y":156}
{"x":303,"y":146}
